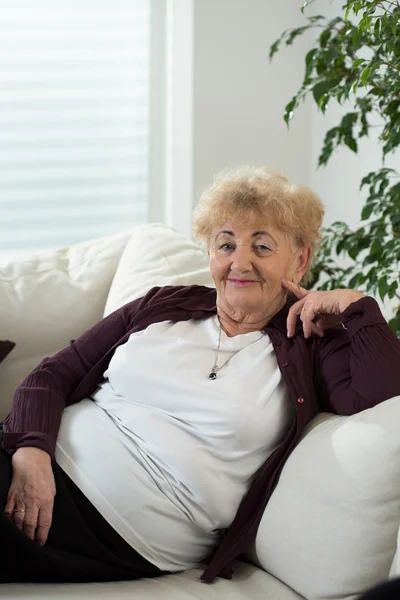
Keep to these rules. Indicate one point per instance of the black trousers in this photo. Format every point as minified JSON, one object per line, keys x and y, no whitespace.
{"x":390,"y":590}
{"x":81,"y":546}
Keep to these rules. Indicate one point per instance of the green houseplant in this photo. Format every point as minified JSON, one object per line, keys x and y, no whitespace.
{"x":355,"y":61}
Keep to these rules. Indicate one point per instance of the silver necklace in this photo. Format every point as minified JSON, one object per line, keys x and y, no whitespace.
{"x":215,"y":369}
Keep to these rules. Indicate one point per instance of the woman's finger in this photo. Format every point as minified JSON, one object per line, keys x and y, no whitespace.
{"x":294,"y":312}
{"x":44,"y":523}
{"x":308,"y":314}
{"x":295,"y":289}
{"x":10,"y":505}
{"x":18,"y":517}
{"x":30,"y":521}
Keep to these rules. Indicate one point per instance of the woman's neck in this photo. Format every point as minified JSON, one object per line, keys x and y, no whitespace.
{"x":234,"y":327}
{"x":239,"y":322}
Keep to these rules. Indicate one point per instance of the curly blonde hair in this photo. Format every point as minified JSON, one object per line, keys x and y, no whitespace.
{"x":237,"y":194}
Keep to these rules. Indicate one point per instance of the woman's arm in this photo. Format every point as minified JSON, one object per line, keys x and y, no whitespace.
{"x":354,"y":368}
{"x":38,"y":402}
{"x":359,"y":367}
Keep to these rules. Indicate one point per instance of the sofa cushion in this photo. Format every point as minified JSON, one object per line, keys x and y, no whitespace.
{"x":330,"y":527}
{"x":249,"y":583}
{"x":50,"y":298}
{"x":155,"y":256}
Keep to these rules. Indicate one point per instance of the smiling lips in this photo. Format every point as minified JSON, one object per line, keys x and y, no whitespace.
{"x":242,"y":282}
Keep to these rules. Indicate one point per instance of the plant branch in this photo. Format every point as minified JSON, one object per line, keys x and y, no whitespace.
{"x":335,"y":71}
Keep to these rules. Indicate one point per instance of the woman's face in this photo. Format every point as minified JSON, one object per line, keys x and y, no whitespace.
{"x":248,"y":262}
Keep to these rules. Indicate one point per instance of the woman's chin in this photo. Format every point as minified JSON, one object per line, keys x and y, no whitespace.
{"x":251,"y":302}
{"x":243,"y":300}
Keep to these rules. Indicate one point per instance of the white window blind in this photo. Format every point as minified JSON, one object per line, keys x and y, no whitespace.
{"x":74,"y":120}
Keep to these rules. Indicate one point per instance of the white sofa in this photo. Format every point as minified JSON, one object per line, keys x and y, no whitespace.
{"x":330,"y":529}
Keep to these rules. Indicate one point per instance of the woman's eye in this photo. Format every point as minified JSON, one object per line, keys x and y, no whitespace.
{"x":263,"y":248}
{"x":226,"y":246}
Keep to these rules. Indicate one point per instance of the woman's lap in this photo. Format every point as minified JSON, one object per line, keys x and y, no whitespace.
{"x":81,"y":545}
{"x":390,"y":590}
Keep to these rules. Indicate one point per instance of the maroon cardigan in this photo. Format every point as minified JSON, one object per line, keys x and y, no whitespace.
{"x":349,"y":370}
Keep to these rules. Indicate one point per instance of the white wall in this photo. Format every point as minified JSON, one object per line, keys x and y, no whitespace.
{"x":228,"y":101}
{"x":237,"y":97}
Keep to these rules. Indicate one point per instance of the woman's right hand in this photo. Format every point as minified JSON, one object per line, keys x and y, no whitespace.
{"x":31,"y":495}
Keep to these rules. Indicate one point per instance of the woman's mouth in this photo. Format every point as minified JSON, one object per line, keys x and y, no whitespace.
{"x":242,"y":282}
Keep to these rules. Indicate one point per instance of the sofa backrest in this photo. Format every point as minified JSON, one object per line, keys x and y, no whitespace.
{"x":49,"y":299}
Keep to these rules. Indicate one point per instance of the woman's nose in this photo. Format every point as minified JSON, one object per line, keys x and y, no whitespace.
{"x":242,"y":260}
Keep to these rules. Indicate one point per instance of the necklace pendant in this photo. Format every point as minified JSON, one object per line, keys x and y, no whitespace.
{"x":212,"y":375}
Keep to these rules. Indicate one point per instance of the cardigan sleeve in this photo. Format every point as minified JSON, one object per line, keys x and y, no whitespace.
{"x":357,"y":367}
{"x":38,"y":402}
{"x":74,"y":373}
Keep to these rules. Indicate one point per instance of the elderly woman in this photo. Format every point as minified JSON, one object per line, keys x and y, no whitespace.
{"x":155,"y":440}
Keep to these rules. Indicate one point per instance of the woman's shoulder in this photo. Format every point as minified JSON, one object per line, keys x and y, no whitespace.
{"x":180,"y":293}
{"x":171,"y":298}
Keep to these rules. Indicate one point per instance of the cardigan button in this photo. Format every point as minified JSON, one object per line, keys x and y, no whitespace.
{"x":285,"y":364}
{"x":300,"y":400}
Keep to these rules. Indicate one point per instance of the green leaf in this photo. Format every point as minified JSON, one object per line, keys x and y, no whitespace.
{"x":310,"y":56}
{"x":354,"y":281}
{"x":294,"y":33}
{"x":351,"y":143}
{"x":393,"y":107}
{"x":316,"y":18}
{"x":367,"y":211}
{"x":289,"y":108}
{"x":323,"y":87}
{"x":358,"y":62}
{"x":393,"y":289}
{"x":357,"y":7}
{"x":353,"y":252}
{"x":365,"y":75}
{"x":371,"y":275}
{"x":369,"y":260}
{"x":394,"y":324}
{"x":377,"y":27}
{"x":274,"y":48}
{"x":376,"y":91}
{"x":394,"y":29}
{"x":341,"y":245}
{"x":324,"y":38}
{"x":376,"y":248}
{"x":383,"y":287}
{"x":305,"y":4}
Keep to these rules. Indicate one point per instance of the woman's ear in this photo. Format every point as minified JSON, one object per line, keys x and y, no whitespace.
{"x":303,"y":258}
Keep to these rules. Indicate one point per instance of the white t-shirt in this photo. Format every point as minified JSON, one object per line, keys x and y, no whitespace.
{"x":166,"y":454}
